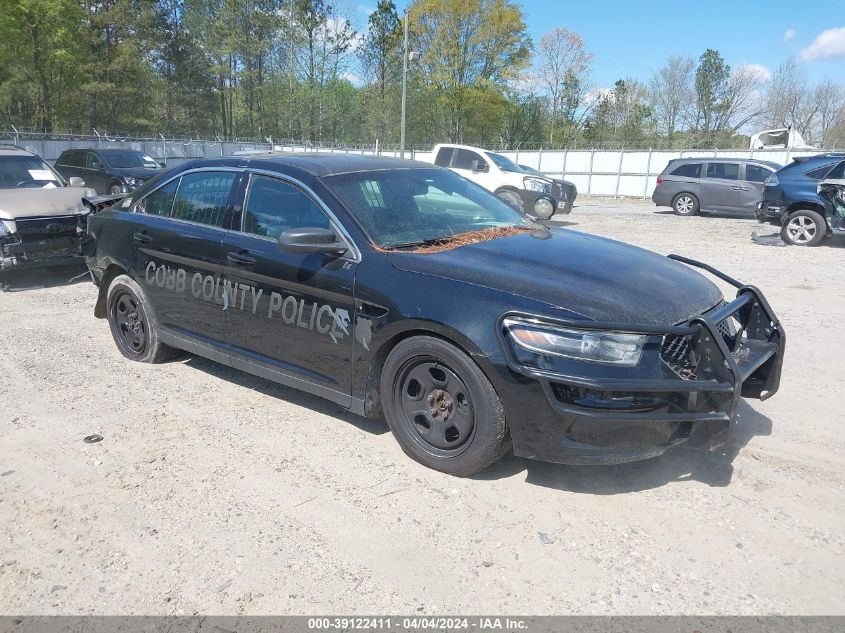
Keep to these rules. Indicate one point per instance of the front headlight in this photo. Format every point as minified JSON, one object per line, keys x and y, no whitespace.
{"x":4,"y":230}
{"x":537,"y":184}
{"x":132,"y":182}
{"x":616,"y":348}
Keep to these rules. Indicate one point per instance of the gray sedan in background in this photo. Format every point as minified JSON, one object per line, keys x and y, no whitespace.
{"x":690,"y":185}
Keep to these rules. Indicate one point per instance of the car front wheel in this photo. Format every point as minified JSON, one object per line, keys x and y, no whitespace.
{"x":804,"y":228}
{"x":441,"y":407}
{"x":115,"y":189}
{"x":685,"y":204}
{"x":512,"y":198}
{"x":132,"y":322}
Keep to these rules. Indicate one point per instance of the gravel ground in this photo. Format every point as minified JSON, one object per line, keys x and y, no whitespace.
{"x":216,"y":492}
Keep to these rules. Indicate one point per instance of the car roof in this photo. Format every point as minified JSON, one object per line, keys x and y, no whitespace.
{"x":320,"y":164}
{"x":721,"y":159}
{"x":110,"y":150}
{"x":8,"y":149}
{"x":457,"y":146}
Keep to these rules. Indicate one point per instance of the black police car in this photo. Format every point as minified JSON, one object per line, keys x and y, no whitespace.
{"x":395,"y":287}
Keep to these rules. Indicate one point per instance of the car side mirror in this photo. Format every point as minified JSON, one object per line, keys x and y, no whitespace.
{"x":311,"y":240}
{"x":480,"y":166}
{"x":75,"y":181}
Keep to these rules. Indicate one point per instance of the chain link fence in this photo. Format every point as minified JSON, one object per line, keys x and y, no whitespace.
{"x":595,"y":171}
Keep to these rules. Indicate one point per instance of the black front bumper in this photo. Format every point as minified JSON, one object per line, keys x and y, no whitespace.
{"x":15,"y":255}
{"x":735,"y":350}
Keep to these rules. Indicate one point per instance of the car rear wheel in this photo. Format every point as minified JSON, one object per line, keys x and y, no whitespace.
{"x":133,"y":324}
{"x":804,"y":228}
{"x":685,"y":204}
{"x":441,"y":407}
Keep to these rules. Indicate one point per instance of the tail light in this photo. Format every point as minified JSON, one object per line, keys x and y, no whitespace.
{"x":659,"y":181}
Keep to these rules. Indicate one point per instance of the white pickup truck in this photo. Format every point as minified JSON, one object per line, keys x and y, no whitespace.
{"x":521,"y":187}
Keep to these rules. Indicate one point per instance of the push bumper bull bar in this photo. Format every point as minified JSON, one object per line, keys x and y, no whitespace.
{"x":612,"y":420}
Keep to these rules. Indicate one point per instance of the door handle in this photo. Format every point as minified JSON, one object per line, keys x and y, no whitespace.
{"x":142,"y":238}
{"x":240,"y":259}
{"x":734,"y":188}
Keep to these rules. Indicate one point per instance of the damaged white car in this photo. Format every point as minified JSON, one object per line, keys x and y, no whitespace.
{"x":42,"y":216}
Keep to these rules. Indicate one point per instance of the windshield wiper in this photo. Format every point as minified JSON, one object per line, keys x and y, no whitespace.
{"x":417,"y":243}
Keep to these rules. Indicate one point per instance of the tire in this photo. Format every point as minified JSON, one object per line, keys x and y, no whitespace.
{"x":132,"y":323}
{"x":804,"y":228}
{"x":685,"y":204}
{"x":512,"y":198}
{"x":441,"y":407}
{"x":114,"y":189}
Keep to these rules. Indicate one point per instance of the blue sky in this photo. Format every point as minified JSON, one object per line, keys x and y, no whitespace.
{"x":633,"y":39}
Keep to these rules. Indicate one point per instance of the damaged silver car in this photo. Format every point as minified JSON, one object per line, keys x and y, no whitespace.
{"x":42,"y":217}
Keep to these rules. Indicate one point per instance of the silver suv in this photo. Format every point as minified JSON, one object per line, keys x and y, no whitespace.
{"x":41,"y":215}
{"x":690,"y":185}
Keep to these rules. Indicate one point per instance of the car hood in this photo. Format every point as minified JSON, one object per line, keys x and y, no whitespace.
{"x":31,"y":203}
{"x":135,"y":172}
{"x":598,"y":278}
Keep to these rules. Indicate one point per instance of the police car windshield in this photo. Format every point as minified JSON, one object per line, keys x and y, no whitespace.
{"x":18,"y":172}
{"x":412,"y":206}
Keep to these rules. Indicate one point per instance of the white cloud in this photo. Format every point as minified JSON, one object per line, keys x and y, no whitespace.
{"x":596,"y":95}
{"x":829,"y":43}
{"x":352,"y":78}
{"x":788,"y":34}
{"x":760,"y":72}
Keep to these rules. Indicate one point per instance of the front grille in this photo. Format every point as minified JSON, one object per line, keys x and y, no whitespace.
{"x":562,"y":192}
{"x":47,"y":228}
{"x":676,"y":353}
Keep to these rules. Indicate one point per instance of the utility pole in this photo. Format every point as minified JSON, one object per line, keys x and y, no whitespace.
{"x":404,"y":87}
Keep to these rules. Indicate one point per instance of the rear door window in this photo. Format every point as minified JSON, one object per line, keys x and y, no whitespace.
{"x":837,"y":173}
{"x":723,"y":171}
{"x":203,"y":197}
{"x":444,"y":156}
{"x":756,"y":173}
{"x":690,"y":170}
{"x":819,"y":172}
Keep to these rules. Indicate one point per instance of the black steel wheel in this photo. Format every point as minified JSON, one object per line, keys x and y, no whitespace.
{"x":436,"y":406}
{"x":129,"y":320}
{"x":132,"y":322}
{"x":441,"y":408}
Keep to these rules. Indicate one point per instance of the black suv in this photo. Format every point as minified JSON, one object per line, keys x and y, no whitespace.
{"x":108,"y":170}
{"x":791,"y":199}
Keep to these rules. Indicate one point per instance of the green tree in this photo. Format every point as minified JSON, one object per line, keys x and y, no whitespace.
{"x":40,"y":53}
{"x":381,"y":58}
{"x":469,"y":49}
{"x":711,"y":90}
